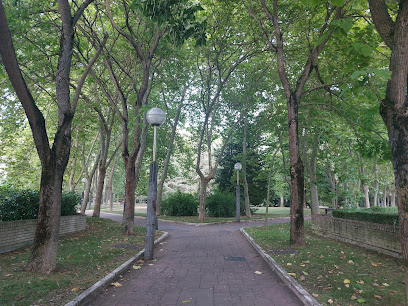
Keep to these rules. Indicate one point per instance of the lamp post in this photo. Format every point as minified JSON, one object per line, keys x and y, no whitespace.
{"x":238,"y":167}
{"x":155,"y":116}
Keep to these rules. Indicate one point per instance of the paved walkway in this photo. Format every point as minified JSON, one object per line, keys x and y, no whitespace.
{"x":200,"y":265}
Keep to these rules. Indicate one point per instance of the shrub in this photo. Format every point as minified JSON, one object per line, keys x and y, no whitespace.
{"x":374,"y":214}
{"x":18,"y":204}
{"x":180,"y":204}
{"x":222,"y":204}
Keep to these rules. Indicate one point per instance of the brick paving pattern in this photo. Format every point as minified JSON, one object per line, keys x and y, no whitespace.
{"x":205,"y":265}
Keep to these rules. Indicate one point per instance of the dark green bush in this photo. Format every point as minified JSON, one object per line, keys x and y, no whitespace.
{"x":374,"y":214}
{"x":222,"y":204}
{"x":18,"y":204}
{"x":180,"y":204}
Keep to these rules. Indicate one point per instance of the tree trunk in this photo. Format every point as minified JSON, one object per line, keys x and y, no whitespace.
{"x":366,"y":196}
{"x":129,"y":210}
{"x":244,"y":167}
{"x":203,"y":196}
{"x":314,"y":196}
{"x":296,"y":177}
{"x":282,"y":201}
{"x":89,"y":178}
{"x":110,"y":182}
{"x":99,"y":191}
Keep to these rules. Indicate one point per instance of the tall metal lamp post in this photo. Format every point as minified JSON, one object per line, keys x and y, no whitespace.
{"x":238,"y":167}
{"x":155,"y":116}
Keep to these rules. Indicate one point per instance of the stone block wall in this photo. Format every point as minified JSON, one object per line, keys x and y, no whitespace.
{"x":379,"y":237}
{"x":16,"y":234}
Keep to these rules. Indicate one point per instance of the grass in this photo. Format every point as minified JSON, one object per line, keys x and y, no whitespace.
{"x":83,"y":258}
{"x":194,"y":219}
{"x":334,"y":272}
{"x":259,"y":214}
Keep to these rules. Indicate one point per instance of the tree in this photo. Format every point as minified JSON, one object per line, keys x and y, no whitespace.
{"x":294,"y":85}
{"x":393,"y":108}
{"x":53,"y":158}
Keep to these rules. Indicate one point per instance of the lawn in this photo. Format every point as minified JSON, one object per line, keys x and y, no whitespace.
{"x":259,"y":214}
{"x":83,"y":259}
{"x":334,"y":272}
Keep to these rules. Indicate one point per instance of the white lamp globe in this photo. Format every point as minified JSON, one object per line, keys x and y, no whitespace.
{"x":238,"y":166}
{"x":155,"y":116}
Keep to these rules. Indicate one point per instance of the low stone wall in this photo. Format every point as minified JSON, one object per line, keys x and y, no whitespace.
{"x":16,"y":234}
{"x":379,"y":237}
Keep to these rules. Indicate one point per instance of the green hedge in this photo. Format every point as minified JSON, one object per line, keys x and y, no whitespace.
{"x":18,"y":204}
{"x":222,"y":204}
{"x":180,"y":204}
{"x":375,"y":215}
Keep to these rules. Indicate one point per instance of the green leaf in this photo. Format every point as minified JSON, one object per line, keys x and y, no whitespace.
{"x":361,"y":300}
{"x":357,"y":74}
{"x":337,"y":2}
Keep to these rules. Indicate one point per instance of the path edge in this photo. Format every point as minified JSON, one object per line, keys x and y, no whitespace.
{"x":296,"y":288}
{"x":90,"y":293}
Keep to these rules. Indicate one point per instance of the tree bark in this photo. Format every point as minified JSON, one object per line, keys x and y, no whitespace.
{"x":203,"y":195}
{"x":366,"y":196}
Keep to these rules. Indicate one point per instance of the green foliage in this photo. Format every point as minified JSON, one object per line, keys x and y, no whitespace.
{"x":222,"y":204}
{"x":180,"y":204}
{"x":18,"y":204}
{"x":180,"y":16}
{"x":375,"y":214}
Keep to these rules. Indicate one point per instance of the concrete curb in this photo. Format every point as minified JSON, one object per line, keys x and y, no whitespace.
{"x":90,"y":293}
{"x":297,"y":289}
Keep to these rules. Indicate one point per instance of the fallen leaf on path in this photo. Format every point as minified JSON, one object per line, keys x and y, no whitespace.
{"x":376,"y":264}
{"x":305,"y":273}
{"x":385,"y":284}
{"x":361,"y":300}
{"x":258,"y":272}
{"x":292,"y":274}
{"x":360,"y":282}
{"x":378,"y":296}
{"x":376,"y":285}
{"x":302,"y":278}
{"x":75,"y":289}
{"x":330,"y":301}
{"x":354,"y":296}
{"x":315,"y":294}
{"x":288,"y":264}
{"x":350,"y":262}
{"x":346,"y":281}
{"x":7,"y":275}
{"x":186,"y":301}
{"x":116,"y":284}
{"x":136,"y":267}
